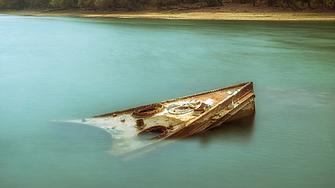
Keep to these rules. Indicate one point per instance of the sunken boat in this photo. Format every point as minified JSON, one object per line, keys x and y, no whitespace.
{"x":139,"y":130}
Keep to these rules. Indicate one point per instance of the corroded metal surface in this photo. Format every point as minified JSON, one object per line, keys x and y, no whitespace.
{"x":179,"y":117}
{"x":148,"y":110}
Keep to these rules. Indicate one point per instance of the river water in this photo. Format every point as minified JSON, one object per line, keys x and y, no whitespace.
{"x":56,"y":68}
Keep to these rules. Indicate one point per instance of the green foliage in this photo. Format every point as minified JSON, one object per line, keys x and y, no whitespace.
{"x":103,"y":3}
{"x":88,"y":3}
{"x":300,"y":4}
{"x":17,"y":4}
{"x":166,"y":3}
{"x":128,"y":4}
{"x":63,"y":3}
{"x":213,"y":3}
{"x":328,"y":3}
{"x":5,"y":4}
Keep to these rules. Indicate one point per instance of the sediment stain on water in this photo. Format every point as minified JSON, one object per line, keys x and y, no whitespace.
{"x":69,"y":68}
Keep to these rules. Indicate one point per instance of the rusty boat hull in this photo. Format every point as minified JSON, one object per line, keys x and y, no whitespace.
{"x":138,"y":130}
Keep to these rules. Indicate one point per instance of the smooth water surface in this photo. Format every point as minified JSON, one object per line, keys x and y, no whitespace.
{"x":67,"y":68}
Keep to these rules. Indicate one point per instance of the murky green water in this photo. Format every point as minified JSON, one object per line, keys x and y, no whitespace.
{"x":67,"y":68}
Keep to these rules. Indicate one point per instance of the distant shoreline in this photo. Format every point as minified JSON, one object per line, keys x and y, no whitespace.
{"x":230,"y":12}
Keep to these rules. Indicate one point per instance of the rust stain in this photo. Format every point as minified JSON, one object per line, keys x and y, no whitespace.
{"x":191,"y":114}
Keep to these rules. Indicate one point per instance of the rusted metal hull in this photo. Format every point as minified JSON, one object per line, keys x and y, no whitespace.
{"x":142,"y":129}
{"x":245,"y":105}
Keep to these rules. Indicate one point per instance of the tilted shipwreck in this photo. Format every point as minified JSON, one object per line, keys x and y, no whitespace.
{"x":143,"y":128}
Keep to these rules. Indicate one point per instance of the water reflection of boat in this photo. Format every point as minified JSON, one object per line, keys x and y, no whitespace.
{"x":140,"y":129}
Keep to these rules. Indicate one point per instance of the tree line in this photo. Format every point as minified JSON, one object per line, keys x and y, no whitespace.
{"x":141,"y":4}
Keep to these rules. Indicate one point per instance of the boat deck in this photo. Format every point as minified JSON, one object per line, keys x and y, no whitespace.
{"x":177,"y":117}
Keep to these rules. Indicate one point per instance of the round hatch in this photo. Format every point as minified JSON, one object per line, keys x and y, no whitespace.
{"x":148,"y":110}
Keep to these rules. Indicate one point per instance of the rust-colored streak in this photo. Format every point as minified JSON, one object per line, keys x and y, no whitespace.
{"x":172,"y":119}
